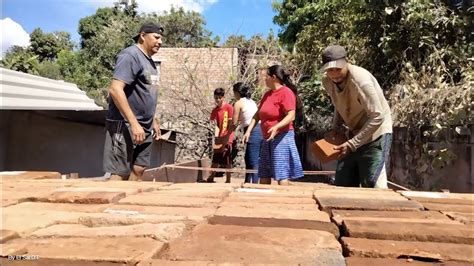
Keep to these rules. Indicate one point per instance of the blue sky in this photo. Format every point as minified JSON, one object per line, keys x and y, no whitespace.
{"x":224,"y":17}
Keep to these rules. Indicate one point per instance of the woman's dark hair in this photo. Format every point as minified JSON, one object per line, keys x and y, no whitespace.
{"x":285,"y":79}
{"x":242,"y":89}
{"x":283,"y":76}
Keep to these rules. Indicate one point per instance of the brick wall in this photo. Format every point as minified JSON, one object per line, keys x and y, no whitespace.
{"x":188,"y":77}
{"x":204,"y":68}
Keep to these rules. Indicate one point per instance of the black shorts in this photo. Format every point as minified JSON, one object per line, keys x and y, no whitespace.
{"x":224,"y":157}
{"x":227,"y":156}
{"x":120,"y":153}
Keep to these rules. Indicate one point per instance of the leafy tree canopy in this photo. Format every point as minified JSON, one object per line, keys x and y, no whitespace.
{"x":183,"y":28}
{"x":47,"y":45}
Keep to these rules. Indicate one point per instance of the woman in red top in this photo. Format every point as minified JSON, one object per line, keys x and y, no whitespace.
{"x":279,"y":158}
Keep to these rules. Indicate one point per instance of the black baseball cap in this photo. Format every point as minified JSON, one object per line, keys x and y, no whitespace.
{"x":334,"y":56}
{"x":149,"y":28}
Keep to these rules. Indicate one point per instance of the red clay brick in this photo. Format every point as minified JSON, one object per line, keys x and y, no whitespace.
{"x":465,"y":218}
{"x":6,"y":235}
{"x":425,"y":232}
{"x":377,"y":204}
{"x":276,"y":200}
{"x":86,"y":196}
{"x":30,"y":175}
{"x":162,"y":232}
{"x":361,"y":247}
{"x":252,"y":192}
{"x":194,"y":193}
{"x":191,"y":213}
{"x":354,"y":261}
{"x":391,"y":216}
{"x":274,"y":217}
{"x":449,"y":207}
{"x":11,"y":248}
{"x":444,"y":201}
{"x":152,"y":199}
{"x":129,"y":250}
{"x":250,"y":245}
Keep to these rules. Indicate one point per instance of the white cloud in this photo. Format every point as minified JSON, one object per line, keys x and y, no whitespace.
{"x":12,"y":34}
{"x":148,"y":6}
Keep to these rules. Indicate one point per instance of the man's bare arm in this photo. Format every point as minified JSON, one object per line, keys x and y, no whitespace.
{"x":116,"y":91}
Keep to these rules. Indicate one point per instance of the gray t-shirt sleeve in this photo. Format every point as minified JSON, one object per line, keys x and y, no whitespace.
{"x":126,"y":68}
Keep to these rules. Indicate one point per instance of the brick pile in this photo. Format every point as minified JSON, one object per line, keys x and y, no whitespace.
{"x":92,"y":222}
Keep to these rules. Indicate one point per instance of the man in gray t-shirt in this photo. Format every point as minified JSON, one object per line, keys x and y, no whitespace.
{"x":130,"y":121}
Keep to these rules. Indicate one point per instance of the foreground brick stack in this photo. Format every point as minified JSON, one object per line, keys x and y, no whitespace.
{"x":379,"y":226}
{"x":49,"y":221}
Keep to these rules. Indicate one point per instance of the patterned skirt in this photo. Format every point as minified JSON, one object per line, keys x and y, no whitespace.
{"x":279,"y":158}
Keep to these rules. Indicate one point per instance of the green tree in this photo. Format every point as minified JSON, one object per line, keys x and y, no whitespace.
{"x":47,"y":45}
{"x":416,"y":35}
{"x":88,"y":73}
{"x":309,"y":26}
{"x":183,"y":28}
{"x":49,"y":69}
{"x":21,"y":59}
{"x":40,"y":56}
{"x":91,"y":27}
{"x":256,"y":44}
{"x":68,"y":62}
{"x":398,"y":41}
{"x":386,"y":37}
{"x":103,"y":35}
{"x":236,"y":41}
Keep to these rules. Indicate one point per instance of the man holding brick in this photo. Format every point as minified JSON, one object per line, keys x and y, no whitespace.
{"x":361,"y":113}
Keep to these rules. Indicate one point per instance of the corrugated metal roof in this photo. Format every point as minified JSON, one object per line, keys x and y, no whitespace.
{"x":21,"y":91}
